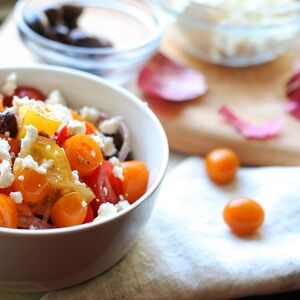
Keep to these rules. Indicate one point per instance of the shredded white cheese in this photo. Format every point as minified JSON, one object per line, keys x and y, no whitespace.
{"x":106,"y":210}
{"x":118,"y":172}
{"x":17,"y":197}
{"x":91,"y":114}
{"x":76,"y":127}
{"x":110,"y":126}
{"x":30,"y":137}
{"x":6,"y":175}
{"x":10,"y":84}
{"x":56,"y":97}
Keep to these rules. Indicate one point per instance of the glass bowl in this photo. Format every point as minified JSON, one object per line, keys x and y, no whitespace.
{"x":134,"y":27}
{"x":232,"y":32}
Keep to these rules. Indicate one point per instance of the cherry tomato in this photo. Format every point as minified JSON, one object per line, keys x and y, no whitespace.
{"x":89,"y":215}
{"x":62,"y":136}
{"x":68,"y":210}
{"x":135,"y":181}
{"x":243,"y":215}
{"x":222,"y":165}
{"x":33,"y":185}
{"x":8,"y":212}
{"x":104,"y":184}
{"x":90,"y":128}
{"x":30,"y":92}
{"x":83,"y":153}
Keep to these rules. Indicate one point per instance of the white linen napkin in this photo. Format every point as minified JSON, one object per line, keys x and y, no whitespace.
{"x":187,"y":252}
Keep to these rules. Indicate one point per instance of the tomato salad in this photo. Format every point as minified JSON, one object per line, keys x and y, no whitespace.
{"x":60,"y":167}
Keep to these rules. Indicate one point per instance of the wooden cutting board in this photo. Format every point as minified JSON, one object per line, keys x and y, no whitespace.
{"x":255,"y":93}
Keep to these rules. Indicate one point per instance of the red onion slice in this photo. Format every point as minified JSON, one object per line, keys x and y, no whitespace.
{"x":165,"y":79}
{"x":26,"y":221}
{"x":251,"y":131}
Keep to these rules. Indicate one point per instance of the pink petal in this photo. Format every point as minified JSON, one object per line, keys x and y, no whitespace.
{"x":165,"y":79}
{"x":249,"y":130}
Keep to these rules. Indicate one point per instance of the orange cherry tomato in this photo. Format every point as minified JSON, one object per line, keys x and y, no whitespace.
{"x":83,"y":153}
{"x":33,"y":186}
{"x":90,"y":128}
{"x":24,"y":210}
{"x":135,"y":181}
{"x":68,"y":210}
{"x":222,"y":165}
{"x":8,"y":212}
{"x":243,"y":215}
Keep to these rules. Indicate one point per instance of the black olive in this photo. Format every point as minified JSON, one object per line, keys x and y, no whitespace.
{"x":54,"y":15}
{"x":35,"y":22}
{"x":8,"y":123}
{"x":60,"y":33}
{"x":71,"y":13}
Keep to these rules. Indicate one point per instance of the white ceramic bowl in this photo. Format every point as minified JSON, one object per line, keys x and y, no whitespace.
{"x":51,"y":259}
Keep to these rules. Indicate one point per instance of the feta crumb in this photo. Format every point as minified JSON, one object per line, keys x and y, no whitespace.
{"x":56,"y":97}
{"x":106,"y":144}
{"x":21,"y":178}
{"x":61,"y":112}
{"x":18,"y":103}
{"x":106,"y":210}
{"x":84,"y":204}
{"x":4,"y":150}
{"x":30,"y":163}
{"x":17,"y":197}
{"x":30,"y":137}
{"x":76,"y":177}
{"x":90,"y":114}
{"x":48,"y":148}
{"x":114,"y":160}
{"x":10,"y":84}
{"x":6,"y":175}
{"x":118,"y":172}
{"x":110,"y":126}
{"x":76,"y":127}
{"x":32,"y":227}
{"x":122,"y":205}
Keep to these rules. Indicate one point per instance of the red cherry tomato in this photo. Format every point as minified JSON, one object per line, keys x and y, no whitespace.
{"x":62,"y":136}
{"x":30,"y":92}
{"x":89,"y":215}
{"x":104,"y":184}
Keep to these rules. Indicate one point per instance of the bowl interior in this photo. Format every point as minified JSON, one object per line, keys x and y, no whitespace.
{"x":80,"y":89}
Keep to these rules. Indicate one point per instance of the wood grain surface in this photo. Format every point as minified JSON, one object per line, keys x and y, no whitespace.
{"x":255,"y":93}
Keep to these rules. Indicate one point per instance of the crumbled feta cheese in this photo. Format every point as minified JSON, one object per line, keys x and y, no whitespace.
{"x":4,"y":150}
{"x":18,"y":103}
{"x":30,"y":137}
{"x":30,"y":163}
{"x":114,"y":160}
{"x":106,"y":144}
{"x":110,"y":126}
{"x":106,"y":210}
{"x":76,"y":177}
{"x":6,"y":175}
{"x":32,"y":227}
{"x":76,"y":127}
{"x":48,"y":148}
{"x":90,"y":114}
{"x":61,"y":112}
{"x":118,"y":172}
{"x":122,"y":205}
{"x":84,"y":204}
{"x":17,"y":197}
{"x":56,"y":97}
{"x":21,"y":178}
{"x":10,"y":85}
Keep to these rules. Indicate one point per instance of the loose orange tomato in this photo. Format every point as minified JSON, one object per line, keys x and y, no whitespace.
{"x":68,"y":210}
{"x":222,"y":165}
{"x":33,"y":186}
{"x":135,"y":181}
{"x":243,"y":215}
{"x":83,"y":153}
{"x":8,"y":212}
